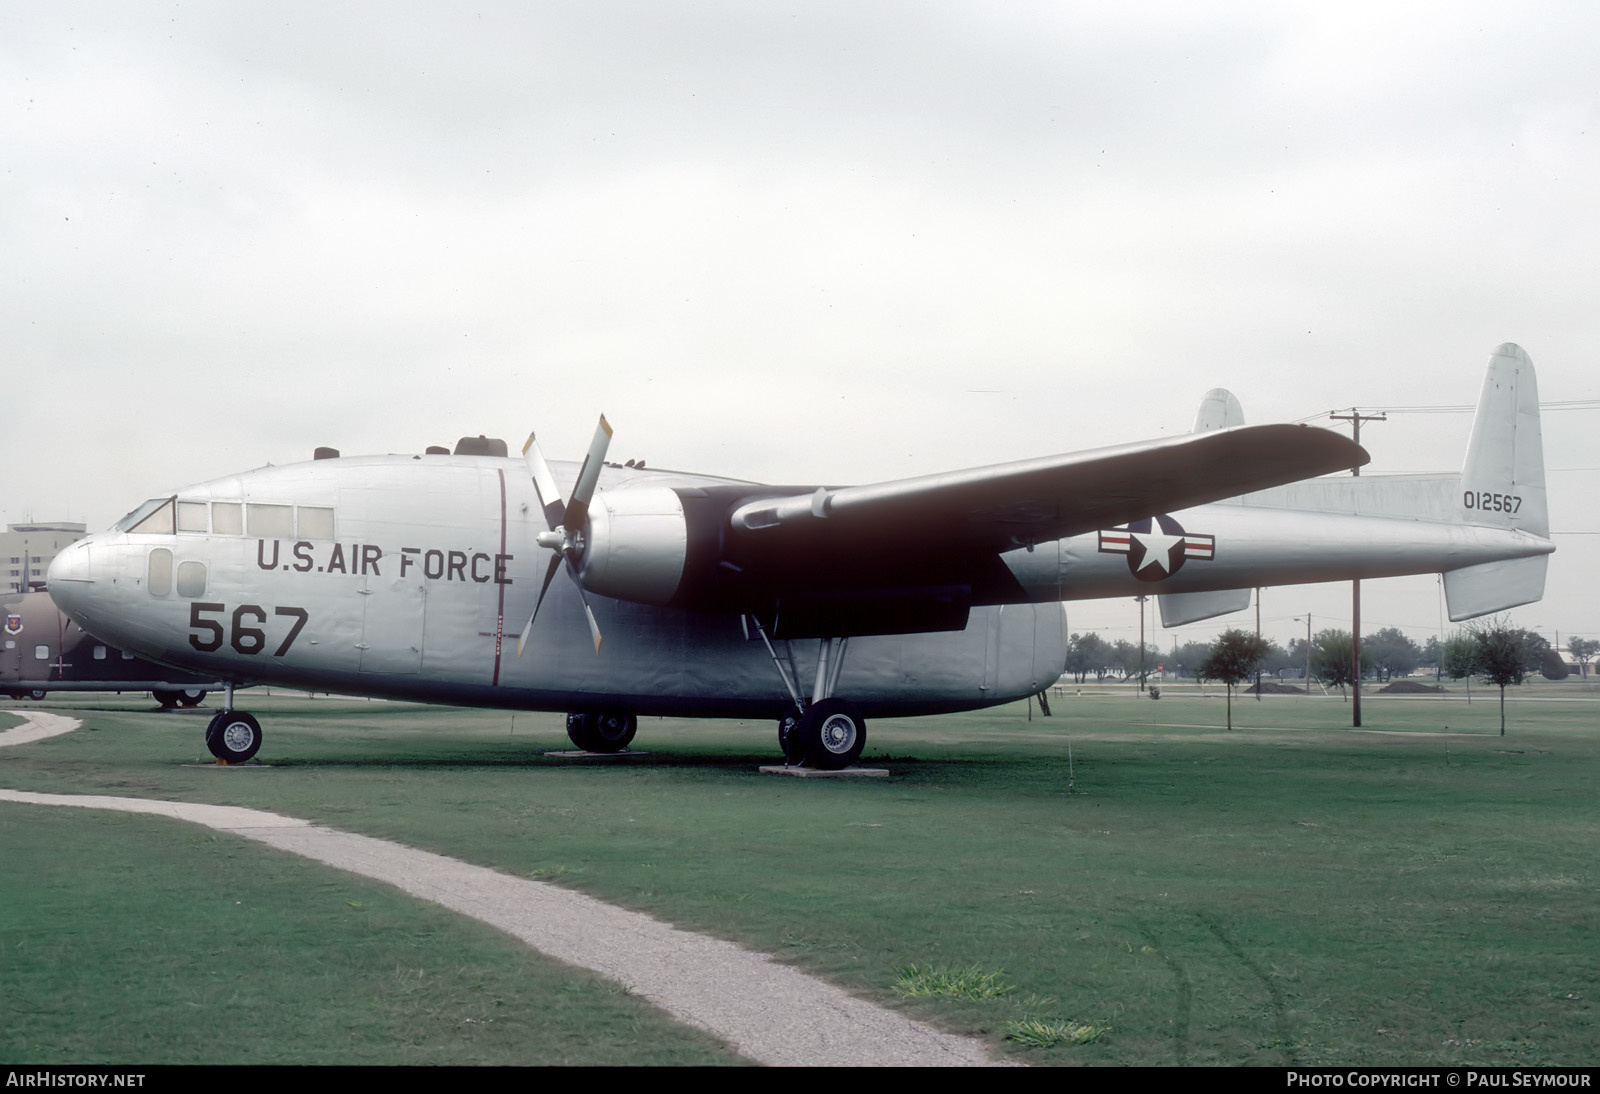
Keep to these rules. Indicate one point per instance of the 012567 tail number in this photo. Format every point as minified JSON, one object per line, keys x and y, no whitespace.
{"x":207,"y":635}
{"x":1490,"y":502}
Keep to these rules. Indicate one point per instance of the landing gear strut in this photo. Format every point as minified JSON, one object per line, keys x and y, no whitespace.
{"x":828,"y":732}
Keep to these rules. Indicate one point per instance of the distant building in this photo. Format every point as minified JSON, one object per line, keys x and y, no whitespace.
{"x":26,"y":551}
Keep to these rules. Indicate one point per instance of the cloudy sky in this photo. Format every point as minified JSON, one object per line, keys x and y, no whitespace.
{"x":810,"y":242}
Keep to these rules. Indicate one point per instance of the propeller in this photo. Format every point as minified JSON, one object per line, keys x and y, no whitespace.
{"x":565,"y":520}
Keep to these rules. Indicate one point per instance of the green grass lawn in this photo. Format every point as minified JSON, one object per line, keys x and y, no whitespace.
{"x":1292,"y":891}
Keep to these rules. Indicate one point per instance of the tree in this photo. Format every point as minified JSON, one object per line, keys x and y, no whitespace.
{"x":1583,"y":651}
{"x":1233,"y":659}
{"x":1458,"y":658}
{"x":1551,"y":667}
{"x":1187,"y":658}
{"x":1506,"y":655}
{"x":1331,"y":659}
{"x":1433,"y":654}
{"x":1393,"y":654}
{"x":1088,"y":653}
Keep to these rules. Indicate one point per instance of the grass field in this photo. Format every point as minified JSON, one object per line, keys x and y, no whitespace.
{"x":1123,"y":883}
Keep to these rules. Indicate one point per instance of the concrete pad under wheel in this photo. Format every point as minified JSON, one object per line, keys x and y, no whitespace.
{"x":818,"y":773}
{"x":577,"y":754}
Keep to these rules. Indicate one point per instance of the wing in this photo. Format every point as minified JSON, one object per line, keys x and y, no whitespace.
{"x":914,"y":554}
{"x":1033,"y":501}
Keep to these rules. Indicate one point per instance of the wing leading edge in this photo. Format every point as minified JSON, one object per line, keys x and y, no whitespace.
{"x":1012,"y":505}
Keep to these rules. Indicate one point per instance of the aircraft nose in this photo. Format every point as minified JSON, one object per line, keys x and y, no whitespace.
{"x":70,"y":578}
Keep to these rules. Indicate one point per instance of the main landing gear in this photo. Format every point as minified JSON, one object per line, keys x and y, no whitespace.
{"x":602,"y":730}
{"x":232,"y":736}
{"x":827,"y":733}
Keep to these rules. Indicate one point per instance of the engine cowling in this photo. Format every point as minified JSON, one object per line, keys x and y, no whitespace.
{"x":635,"y":545}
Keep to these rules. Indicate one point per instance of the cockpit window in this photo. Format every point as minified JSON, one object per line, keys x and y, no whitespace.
{"x":154,"y":517}
{"x":192,"y":516}
{"x":227,"y":518}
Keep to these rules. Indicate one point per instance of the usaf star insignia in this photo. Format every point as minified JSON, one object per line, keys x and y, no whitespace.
{"x":1157,"y":547}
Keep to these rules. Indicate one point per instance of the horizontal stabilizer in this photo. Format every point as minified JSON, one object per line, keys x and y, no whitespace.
{"x":1180,"y":608}
{"x":1494,"y":586}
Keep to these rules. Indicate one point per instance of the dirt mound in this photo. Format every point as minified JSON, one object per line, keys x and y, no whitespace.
{"x":1409,"y":687}
{"x":1272,"y":687}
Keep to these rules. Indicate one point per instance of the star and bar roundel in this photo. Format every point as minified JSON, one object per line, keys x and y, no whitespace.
{"x":1157,"y":547}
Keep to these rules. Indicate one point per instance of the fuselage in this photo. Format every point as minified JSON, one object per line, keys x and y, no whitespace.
{"x":411,"y":577}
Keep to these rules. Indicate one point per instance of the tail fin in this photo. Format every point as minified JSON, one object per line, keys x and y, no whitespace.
{"x":1502,"y":487}
{"x":1502,"y":478}
{"x":1219,"y":409}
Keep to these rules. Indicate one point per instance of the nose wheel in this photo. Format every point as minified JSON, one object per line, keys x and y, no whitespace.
{"x":233,"y":736}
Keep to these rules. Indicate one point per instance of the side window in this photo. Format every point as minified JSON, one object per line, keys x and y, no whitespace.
{"x":270,"y":521}
{"x":99,"y":653}
{"x":41,"y":653}
{"x":191,"y":579}
{"x":160,"y":572}
{"x":316,"y":522}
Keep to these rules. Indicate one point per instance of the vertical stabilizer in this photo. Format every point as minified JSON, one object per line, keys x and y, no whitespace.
{"x":1502,"y":487}
{"x":1502,"y":479}
{"x":1218,"y":410}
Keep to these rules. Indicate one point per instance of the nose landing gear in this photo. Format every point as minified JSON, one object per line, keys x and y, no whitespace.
{"x":232,"y":736}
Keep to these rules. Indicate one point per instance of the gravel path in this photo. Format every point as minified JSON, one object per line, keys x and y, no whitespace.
{"x":766,"y":1011}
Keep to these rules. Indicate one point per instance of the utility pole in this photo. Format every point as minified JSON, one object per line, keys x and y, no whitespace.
{"x":1140,"y":599}
{"x":1355,"y":418}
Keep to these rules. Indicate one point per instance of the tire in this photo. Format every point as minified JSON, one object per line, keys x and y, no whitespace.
{"x":233,"y":736}
{"x":37,"y":694}
{"x":788,"y":723}
{"x":579,"y":734}
{"x":832,"y":735}
{"x":192,"y":697}
{"x":167,"y":699}
{"x":602,"y":731}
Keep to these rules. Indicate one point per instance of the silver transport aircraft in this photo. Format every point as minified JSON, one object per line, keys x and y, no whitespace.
{"x":435,"y":577}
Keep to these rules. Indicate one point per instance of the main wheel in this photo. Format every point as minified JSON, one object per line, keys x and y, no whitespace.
{"x":601,"y":731}
{"x":233,"y":736}
{"x":167,"y":699}
{"x":37,"y":694}
{"x":193,"y":697}
{"x":832,"y":735}
{"x":611,"y":731}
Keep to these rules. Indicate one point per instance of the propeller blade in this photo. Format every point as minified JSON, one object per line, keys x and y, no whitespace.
{"x":588,"y":476}
{"x":544,"y":484}
{"x":550,"y":572}
{"x":588,"y":612}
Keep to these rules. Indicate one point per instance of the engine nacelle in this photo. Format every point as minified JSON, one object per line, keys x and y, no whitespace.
{"x":635,"y":545}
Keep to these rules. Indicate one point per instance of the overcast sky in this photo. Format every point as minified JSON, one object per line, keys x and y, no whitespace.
{"x":808,"y":242}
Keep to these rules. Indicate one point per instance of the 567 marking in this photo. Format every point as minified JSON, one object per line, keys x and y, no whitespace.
{"x":1490,"y":502}
{"x":244,"y":635}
